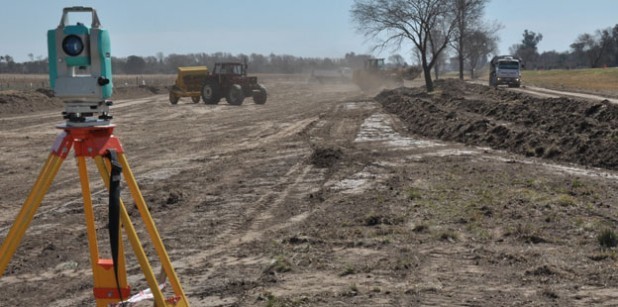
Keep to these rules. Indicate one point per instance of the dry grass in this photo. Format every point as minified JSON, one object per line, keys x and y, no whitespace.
{"x":600,"y":80}
{"x":29,"y":81}
{"x":23,"y":82}
{"x":34,"y":81}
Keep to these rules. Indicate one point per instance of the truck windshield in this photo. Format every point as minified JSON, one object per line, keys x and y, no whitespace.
{"x":508,"y":65}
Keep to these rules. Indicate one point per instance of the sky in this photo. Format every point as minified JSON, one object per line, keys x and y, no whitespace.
{"x":307,"y":28}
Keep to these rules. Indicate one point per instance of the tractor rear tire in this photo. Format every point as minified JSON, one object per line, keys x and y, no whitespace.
{"x":211,"y":92}
{"x":196,"y":99}
{"x":260,"y":96}
{"x":235,"y":96}
{"x":173,"y":98}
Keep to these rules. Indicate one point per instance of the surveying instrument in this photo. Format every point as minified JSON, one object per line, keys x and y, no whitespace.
{"x":80,"y":74}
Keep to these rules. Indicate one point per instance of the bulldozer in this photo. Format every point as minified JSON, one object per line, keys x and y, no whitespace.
{"x":375,"y":75}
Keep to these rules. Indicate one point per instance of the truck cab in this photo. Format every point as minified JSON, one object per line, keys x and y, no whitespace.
{"x":505,"y":70}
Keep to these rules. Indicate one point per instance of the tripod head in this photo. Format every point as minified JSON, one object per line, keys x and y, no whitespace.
{"x":80,"y":69}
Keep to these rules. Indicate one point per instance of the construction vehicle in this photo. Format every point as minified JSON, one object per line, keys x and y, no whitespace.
{"x":189,"y":82}
{"x":374,"y":75}
{"x":505,"y":70}
{"x":230,"y":80}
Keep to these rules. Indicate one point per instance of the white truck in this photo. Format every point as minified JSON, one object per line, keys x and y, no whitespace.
{"x":505,"y":70}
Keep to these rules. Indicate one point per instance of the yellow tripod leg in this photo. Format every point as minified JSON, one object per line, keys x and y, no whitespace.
{"x":135,"y":242}
{"x":105,"y":287}
{"x":152,"y":231}
{"x":26,"y":214}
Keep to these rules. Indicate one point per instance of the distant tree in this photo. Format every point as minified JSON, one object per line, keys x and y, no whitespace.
{"x":135,"y":65}
{"x":599,"y":49}
{"x":10,"y":63}
{"x":614,"y":61}
{"x":592,"y":49}
{"x":552,"y":60}
{"x":160,"y":57}
{"x":479,"y":45}
{"x":397,"y":60}
{"x":528,"y":50}
{"x":392,"y":22}
{"x":152,"y":65}
{"x":437,"y":35}
{"x":607,"y":49}
{"x":258,"y":62}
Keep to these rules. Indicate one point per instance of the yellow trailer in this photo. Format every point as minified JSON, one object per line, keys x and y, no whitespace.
{"x":189,"y":83}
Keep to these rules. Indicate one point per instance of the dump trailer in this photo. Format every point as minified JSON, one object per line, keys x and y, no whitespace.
{"x":505,"y":70}
{"x":189,"y":82}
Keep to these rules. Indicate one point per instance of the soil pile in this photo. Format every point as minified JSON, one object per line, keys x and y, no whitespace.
{"x":563,"y":129}
{"x":14,"y":102}
{"x":20,"y":102}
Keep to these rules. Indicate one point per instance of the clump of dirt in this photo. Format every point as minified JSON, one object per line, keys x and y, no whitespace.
{"x":562,"y":129}
{"x":45,"y":91}
{"x":325,"y":157}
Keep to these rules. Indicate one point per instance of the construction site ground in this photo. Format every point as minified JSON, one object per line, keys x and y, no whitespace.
{"x":328,"y":196}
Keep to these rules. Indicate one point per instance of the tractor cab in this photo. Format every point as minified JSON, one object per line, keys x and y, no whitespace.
{"x":230,"y":68}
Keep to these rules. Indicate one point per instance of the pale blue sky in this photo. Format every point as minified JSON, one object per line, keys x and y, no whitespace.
{"x":309,"y":28}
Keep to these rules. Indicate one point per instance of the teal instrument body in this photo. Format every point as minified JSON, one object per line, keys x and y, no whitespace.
{"x":80,"y":62}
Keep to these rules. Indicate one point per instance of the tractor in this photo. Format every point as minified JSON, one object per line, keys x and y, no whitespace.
{"x":230,"y":80}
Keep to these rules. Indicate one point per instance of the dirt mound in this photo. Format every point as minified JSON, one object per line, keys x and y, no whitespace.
{"x":562,"y":129}
{"x":20,"y":102}
{"x":14,"y":102}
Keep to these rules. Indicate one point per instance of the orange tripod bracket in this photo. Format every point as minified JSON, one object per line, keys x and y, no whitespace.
{"x":93,"y":142}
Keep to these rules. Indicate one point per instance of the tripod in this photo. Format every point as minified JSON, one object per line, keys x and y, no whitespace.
{"x":110,"y":277}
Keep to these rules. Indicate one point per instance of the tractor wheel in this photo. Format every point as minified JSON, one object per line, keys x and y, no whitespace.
{"x":260,"y":95}
{"x":173,"y":98}
{"x":211,"y":92}
{"x":195,"y":99}
{"x":235,"y":96}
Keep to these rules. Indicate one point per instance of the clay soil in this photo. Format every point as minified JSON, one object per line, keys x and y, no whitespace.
{"x":327,"y":196}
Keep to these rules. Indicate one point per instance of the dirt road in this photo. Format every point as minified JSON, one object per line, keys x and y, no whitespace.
{"x":325,"y":196}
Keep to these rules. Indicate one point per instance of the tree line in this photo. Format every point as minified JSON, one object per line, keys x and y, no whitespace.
{"x":589,"y":50}
{"x":167,"y":64}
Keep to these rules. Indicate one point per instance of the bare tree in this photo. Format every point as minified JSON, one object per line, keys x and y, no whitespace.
{"x":469,"y":14}
{"x":596,"y":48}
{"x":480,"y":43}
{"x":440,"y":55}
{"x":397,"y":60}
{"x":391,"y":22}
{"x":135,"y":65}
